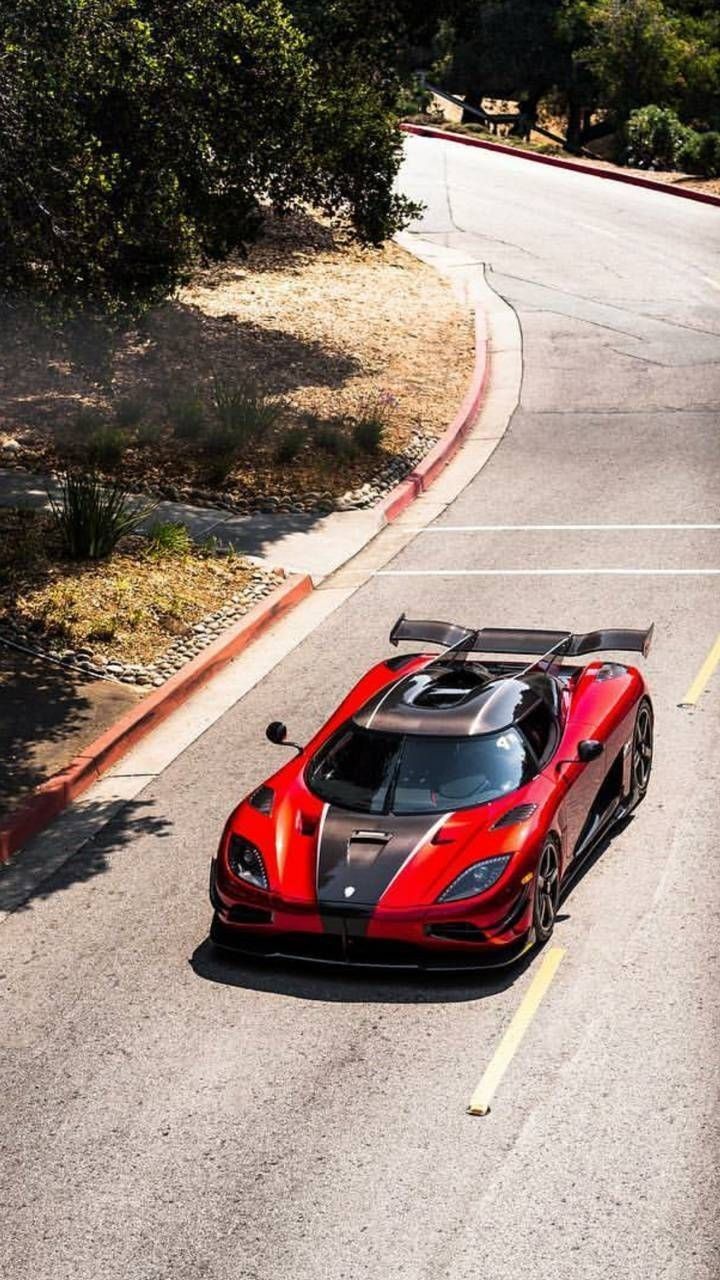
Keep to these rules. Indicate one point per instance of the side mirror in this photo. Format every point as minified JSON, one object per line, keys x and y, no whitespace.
{"x":277,"y":733}
{"x":589,"y":749}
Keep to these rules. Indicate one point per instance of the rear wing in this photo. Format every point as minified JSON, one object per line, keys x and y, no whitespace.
{"x":499,"y":640}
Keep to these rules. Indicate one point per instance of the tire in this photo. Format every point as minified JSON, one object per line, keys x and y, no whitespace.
{"x":642,"y":751}
{"x":546,"y":894}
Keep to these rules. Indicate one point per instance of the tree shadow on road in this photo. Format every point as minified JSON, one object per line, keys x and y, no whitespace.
{"x":42,"y":869}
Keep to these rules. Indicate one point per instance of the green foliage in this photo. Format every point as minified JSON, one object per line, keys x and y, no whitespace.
{"x":169,"y":538}
{"x":372,"y":421}
{"x":105,"y":447}
{"x":129,"y":410}
{"x":700,"y":153}
{"x":636,"y":53}
{"x":289,"y":445}
{"x":655,"y":138}
{"x":330,"y":439}
{"x":149,"y":432}
{"x":187,"y":414}
{"x":138,"y":136}
{"x":245,"y":413}
{"x":413,"y":98}
{"x":93,"y":516}
{"x":220,"y":461}
{"x":591,"y":56}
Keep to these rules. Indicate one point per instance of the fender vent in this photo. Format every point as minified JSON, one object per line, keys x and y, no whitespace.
{"x":520,"y":813}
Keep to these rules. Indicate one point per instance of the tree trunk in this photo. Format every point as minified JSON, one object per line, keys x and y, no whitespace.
{"x":473,"y":98}
{"x":574,"y":126}
{"x":527,"y":118}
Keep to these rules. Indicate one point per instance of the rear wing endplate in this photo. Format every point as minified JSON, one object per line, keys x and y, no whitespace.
{"x":501,"y":640}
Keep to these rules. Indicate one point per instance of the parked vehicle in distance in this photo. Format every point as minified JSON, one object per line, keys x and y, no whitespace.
{"x":433,"y":819}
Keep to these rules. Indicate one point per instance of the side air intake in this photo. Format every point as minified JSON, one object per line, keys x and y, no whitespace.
{"x":520,"y":813}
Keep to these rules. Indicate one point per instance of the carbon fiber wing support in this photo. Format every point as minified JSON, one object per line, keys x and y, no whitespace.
{"x":500,"y":640}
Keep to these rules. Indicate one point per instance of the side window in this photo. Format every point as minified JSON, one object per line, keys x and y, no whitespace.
{"x":538,"y":727}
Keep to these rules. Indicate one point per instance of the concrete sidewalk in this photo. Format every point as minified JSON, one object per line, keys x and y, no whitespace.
{"x":297,"y":542}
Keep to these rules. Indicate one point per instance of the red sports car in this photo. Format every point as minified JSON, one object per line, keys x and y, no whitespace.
{"x":432,"y":821}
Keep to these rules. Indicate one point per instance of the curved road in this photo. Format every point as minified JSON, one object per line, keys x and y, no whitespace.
{"x":166,"y":1115}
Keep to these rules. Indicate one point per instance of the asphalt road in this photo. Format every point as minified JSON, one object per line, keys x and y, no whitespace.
{"x":167,"y":1115}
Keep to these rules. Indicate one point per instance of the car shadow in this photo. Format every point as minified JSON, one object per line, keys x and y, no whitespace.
{"x":305,"y":980}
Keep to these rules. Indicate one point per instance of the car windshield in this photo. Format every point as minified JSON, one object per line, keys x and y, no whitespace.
{"x":394,"y":773}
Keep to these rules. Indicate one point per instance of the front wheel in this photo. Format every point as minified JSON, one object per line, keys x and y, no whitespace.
{"x":547,"y":891}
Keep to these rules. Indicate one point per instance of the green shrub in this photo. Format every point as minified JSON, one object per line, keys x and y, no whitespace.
{"x":221,"y":460}
{"x":289,"y":444}
{"x":372,"y":420}
{"x":330,"y":439}
{"x":187,"y":414}
{"x":368,"y":435}
{"x":129,"y":411}
{"x":244,"y":411}
{"x":708,"y":154}
{"x":105,"y":447}
{"x":169,"y":538}
{"x":149,"y":432}
{"x":655,"y":138}
{"x":93,"y":516}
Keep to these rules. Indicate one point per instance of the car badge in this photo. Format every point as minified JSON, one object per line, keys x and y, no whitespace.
{"x":349,"y":890}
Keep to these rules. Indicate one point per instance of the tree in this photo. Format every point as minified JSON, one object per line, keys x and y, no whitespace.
{"x":637,"y":54}
{"x":139,"y":134}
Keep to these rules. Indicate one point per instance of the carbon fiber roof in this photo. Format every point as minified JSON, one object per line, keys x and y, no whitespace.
{"x":434,"y":701}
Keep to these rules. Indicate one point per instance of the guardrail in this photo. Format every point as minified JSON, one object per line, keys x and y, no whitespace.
{"x":489,"y":118}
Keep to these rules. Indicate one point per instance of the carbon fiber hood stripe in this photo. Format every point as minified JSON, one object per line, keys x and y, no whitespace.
{"x":359,"y":854}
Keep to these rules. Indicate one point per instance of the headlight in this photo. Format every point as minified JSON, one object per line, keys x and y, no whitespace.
{"x":479,"y":877}
{"x":246,"y":861}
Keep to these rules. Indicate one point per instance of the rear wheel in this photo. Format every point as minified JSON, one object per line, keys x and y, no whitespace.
{"x":547,"y":890}
{"x":642,"y":751}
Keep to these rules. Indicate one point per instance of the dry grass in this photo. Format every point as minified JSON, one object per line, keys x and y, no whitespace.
{"x":321,"y":323}
{"x":127,"y":608}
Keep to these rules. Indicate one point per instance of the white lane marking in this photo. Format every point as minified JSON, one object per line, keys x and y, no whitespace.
{"x":534,"y":528}
{"x":542,"y":573}
{"x":424,"y":839}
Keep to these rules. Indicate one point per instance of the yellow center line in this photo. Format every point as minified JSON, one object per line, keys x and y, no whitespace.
{"x":483,"y":1095}
{"x":697,"y":688}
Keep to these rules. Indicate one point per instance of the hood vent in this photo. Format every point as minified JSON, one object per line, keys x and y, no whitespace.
{"x":520,"y":813}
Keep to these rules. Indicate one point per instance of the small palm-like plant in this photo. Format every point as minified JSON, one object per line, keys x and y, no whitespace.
{"x":93,"y":516}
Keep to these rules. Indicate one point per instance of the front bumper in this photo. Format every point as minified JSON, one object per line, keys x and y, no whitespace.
{"x":371,"y":938}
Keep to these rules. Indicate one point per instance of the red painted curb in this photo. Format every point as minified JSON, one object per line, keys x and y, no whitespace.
{"x":49,"y":799}
{"x":426,"y":131}
{"x":428,"y":469}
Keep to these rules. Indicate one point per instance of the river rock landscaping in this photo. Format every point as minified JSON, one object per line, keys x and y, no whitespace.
{"x":135,"y":617}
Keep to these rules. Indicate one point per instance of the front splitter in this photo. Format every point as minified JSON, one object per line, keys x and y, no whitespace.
{"x":343,"y":951}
